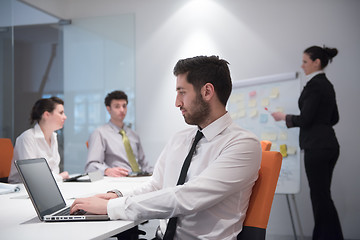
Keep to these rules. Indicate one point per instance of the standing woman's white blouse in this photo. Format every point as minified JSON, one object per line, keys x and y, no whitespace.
{"x":32,"y":144}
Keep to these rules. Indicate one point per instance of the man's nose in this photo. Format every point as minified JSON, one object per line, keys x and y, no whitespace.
{"x":178,"y":103}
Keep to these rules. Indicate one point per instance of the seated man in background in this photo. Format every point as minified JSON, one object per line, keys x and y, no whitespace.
{"x":115,"y":149}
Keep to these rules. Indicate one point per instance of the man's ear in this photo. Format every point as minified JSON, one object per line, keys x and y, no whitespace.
{"x":108,"y":109}
{"x":207,"y":91}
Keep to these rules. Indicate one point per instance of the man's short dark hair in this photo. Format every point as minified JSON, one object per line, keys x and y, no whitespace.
{"x":203,"y":69}
{"x":118,"y":95}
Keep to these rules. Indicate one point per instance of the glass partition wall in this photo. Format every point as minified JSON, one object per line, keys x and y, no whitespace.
{"x":29,"y":65}
{"x":6,"y":71}
{"x":79,"y":62}
{"x":99,"y":57}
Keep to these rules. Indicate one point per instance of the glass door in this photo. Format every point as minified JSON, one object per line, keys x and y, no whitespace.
{"x":99,"y":57}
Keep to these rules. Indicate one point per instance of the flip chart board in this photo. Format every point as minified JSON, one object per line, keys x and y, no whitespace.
{"x":250,"y":105}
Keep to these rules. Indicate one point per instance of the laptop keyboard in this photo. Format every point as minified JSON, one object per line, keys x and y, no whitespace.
{"x":64,"y":212}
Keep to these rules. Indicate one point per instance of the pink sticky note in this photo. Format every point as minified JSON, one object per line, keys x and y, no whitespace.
{"x":252,"y":94}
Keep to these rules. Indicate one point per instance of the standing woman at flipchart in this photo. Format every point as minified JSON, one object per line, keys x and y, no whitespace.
{"x":318,"y":114}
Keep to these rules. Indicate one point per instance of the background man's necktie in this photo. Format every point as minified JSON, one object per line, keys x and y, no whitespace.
{"x":171,"y":227}
{"x":129,"y":152}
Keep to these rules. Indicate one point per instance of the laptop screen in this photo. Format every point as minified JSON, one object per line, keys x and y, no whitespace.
{"x":41,"y":185}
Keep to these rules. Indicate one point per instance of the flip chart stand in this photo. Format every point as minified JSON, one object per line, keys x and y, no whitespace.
{"x":297,"y":216}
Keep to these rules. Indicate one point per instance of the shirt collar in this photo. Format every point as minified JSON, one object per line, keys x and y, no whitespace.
{"x":311,"y":75}
{"x":116,"y":128}
{"x":39,"y":133}
{"x":216,"y":127}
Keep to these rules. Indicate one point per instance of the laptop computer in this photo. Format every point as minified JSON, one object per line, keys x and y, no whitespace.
{"x":45,"y":193}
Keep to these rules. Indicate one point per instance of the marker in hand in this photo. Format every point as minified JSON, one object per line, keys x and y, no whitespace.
{"x":278,"y":116}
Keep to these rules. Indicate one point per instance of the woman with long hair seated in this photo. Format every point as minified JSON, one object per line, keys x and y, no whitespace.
{"x":40,"y":141}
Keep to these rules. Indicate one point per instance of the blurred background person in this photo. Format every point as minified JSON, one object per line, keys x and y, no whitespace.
{"x":318,"y":114}
{"x":114,"y":148}
{"x":40,"y":141}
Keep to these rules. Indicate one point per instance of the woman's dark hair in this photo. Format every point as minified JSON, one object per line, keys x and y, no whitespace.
{"x":118,"y":95}
{"x":44,"y":105}
{"x":202,"y":69}
{"x":324,"y":54}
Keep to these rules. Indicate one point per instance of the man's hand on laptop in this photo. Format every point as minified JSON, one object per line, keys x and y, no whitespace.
{"x":92,"y":205}
{"x":116,"y":172}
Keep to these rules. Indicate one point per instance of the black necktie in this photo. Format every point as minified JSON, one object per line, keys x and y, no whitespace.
{"x":171,"y":227}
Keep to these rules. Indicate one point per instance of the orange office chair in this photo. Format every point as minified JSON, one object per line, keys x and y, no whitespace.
{"x":265,"y":145}
{"x":87,"y":144}
{"x":258,"y":213}
{"x":6,"y":154}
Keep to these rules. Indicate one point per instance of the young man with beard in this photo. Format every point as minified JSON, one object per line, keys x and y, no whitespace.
{"x":211,"y":200}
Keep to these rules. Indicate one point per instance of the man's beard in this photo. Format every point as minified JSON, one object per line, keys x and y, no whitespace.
{"x":200,"y":111}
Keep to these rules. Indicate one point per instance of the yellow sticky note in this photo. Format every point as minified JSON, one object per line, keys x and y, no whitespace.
{"x":269,"y":136}
{"x":283,"y":150}
{"x":283,"y":136}
{"x":241,"y":113}
{"x":291,"y":150}
{"x":236,"y":97}
{"x":265,"y":102}
{"x":252,"y":103}
{"x":253,"y":113}
{"x":274,"y":93}
{"x":272,"y":137}
{"x":241,"y":105}
{"x":279,"y":109}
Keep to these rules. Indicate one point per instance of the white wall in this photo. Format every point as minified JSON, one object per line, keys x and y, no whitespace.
{"x":258,"y":38}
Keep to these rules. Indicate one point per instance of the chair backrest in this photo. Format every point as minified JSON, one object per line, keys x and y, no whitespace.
{"x":6,"y":154}
{"x":258,"y":213}
{"x":87,"y":144}
{"x":265,"y":145}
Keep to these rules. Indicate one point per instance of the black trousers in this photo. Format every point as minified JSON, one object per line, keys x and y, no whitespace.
{"x":319,"y":167}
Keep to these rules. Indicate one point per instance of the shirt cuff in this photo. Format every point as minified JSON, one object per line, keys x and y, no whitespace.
{"x":116,"y":208}
{"x":288,"y":120}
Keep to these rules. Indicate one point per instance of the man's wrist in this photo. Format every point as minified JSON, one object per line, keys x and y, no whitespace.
{"x":117,"y":192}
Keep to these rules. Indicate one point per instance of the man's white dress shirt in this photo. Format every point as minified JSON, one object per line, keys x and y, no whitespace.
{"x":213,"y":201}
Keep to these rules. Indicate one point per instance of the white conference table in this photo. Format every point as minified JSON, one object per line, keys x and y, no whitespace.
{"x":18,"y":218}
